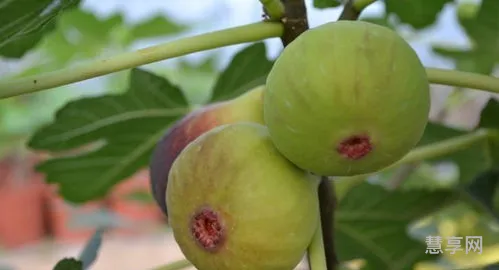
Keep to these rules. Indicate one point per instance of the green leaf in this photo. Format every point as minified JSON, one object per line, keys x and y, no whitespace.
{"x":419,"y":14}
{"x":128,"y":126}
{"x":248,"y":68}
{"x":469,"y":60}
{"x":484,"y":188}
{"x":483,"y":28}
{"x":195,"y":79}
{"x":80,"y":34}
{"x":471,"y":160}
{"x":372,"y":224}
{"x":154,"y":27}
{"x":488,"y":119}
{"x":322,"y":4}
{"x":68,"y":264}
{"x":23,"y":23}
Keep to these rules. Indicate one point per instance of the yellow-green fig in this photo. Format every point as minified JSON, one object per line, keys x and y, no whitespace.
{"x":346,"y":98}
{"x":234,"y":202}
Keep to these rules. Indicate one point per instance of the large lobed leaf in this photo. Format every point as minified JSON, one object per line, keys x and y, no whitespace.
{"x":128,"y":126}
{"x":372,"y":224}
{"x":23,"y":23}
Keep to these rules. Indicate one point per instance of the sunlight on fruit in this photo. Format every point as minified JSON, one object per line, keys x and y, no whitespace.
{"x":489,"y":255}
{"x":448,"y":227}
{"x":355,"y":264}
{"x":429,"y":266}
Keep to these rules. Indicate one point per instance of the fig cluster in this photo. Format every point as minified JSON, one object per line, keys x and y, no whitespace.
{"x":238,"y":179}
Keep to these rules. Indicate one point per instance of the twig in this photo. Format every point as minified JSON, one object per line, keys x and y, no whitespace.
{"x":463,"y":79}
{"x":401,"y":174}
{"x":295,"y":20}
{"x":327,"y":202}
{"x":353,"y":9}
{"x":316,"y":254}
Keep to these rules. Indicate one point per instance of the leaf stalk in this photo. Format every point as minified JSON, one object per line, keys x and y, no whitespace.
{"x":207,"y":41}
{"x":463,"y":79}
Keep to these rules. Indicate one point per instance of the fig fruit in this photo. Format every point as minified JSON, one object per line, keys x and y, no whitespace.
{"x":246,"y":107}
{"x":346,"y":98}
{"x":235,"y":202}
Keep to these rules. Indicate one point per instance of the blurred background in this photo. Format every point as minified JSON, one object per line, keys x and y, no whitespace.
{"x":37,"y":227}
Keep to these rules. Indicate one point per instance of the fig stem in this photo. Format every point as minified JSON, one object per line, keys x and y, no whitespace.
{"x":181,"y":264}
{"x":463,"y":79}
{"x":207,"y":41}
{"x":353,"y":9}
{"x":273,"y":8}
{"x":316,"y":251}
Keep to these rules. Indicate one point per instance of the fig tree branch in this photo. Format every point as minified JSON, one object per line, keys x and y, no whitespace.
{"x":463,"y":79}
{"x":207,"y":41}
{"x":328,"y":202}
{"x":353,"y":9}
{"x":295,"y":20}
{"x":401,"y":174}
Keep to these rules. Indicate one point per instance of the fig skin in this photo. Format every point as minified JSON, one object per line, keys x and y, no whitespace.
{"x":346,"y":98}
{"x":267,"y":207}
{"x":247,"y":107}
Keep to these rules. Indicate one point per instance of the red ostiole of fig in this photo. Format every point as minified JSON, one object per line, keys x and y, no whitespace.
{"x":208,"y":229}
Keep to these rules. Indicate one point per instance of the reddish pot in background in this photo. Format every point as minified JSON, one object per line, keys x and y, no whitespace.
{"x":21,"y":215}
{"x":140,"y":213}
{"x":21,"y":203}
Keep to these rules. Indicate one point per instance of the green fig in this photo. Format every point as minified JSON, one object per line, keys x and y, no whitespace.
{"x":247,"y":107}
{"x":346,"y":98}
{"x":235,"y":202}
